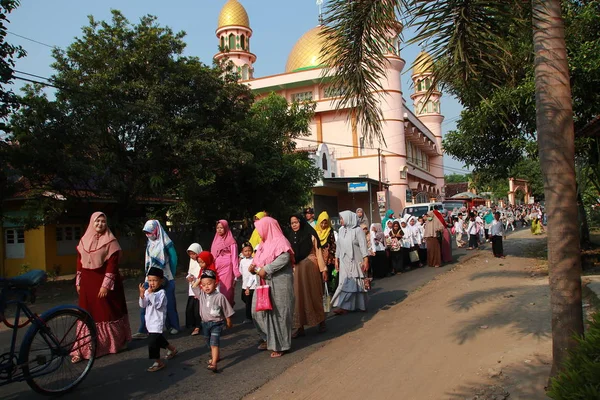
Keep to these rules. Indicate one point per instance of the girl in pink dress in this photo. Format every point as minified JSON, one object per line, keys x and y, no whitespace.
{"x":225,"y":251}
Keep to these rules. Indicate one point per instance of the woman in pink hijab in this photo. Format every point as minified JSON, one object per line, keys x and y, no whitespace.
{"x":273,"y":264}
{"x":225,"y":251}
{"x":100,"y":288}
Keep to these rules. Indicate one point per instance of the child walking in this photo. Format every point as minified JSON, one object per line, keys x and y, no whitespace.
{"x":248,"y":279}
{"x":216,"y":314}
{"x":154,"y":300}
{"x":192,"y":310}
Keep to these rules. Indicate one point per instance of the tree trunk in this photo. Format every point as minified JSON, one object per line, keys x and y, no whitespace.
{"x":584,"y":230}
{"x":557,"y":156}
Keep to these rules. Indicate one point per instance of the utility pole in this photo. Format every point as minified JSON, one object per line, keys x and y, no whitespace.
{"x":379,"y":167}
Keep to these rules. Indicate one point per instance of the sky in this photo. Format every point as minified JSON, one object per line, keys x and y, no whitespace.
{"x":276,"y":25}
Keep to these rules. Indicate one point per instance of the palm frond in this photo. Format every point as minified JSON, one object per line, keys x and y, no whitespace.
{"x":466,"y":38}
{"x":357,"y":38}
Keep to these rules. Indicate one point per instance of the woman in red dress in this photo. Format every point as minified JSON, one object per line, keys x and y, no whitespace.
{"x":100,"y":288}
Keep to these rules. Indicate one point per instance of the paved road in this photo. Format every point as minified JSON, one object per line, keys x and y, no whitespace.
{"x":244,"y":368}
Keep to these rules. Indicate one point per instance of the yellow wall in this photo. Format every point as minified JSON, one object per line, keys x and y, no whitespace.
{"x":41,"y":253}
{"x":35,"y":250}
{"x":67,"y":263}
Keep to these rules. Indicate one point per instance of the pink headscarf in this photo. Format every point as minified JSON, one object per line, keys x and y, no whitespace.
{"x":221,"y":243}
{"x":274,"y":243}
{"x":96,"y":249}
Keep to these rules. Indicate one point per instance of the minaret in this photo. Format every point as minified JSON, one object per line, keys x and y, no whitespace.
{"x":428,"y":110}
{"x":234,"y":35}
{"x":393,"y":163}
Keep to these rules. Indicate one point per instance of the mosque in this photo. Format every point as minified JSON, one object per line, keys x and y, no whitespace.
{"x":407,"y":169}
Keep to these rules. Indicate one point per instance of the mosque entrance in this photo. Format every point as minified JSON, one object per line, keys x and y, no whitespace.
{"x":518,"y":191}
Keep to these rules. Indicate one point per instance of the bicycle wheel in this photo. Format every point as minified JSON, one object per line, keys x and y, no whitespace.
{"x":48,"y":368}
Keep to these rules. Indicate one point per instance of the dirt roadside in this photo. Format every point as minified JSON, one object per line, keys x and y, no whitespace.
{"x":480,"y":331}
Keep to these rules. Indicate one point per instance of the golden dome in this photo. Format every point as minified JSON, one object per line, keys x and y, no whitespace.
{"x":423,"y":63}
{"x":306,"y":53}
{"x":233,"y":14}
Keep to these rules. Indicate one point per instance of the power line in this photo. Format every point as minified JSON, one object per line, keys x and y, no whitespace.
{"x":33,"y":40}
{"x":34,"y":75}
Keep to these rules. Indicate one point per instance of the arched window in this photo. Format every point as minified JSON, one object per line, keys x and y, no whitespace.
{"x":324,"y":162}
{"x":243,"y":42}
{"x":245,"y":72}
{"x":427,"y":83}
{"x":222,"y":43}
{"x":231,"y":41}
{"x":421,"y":107}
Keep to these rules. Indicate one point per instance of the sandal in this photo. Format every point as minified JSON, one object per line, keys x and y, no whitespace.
{"x":155,"y":367}
{"x":212,"y":367}
{"x":210,"y":361}
{"x":171,"y":354}
{"x":322,"y":328}
{"x":262,"y":346}
{"x":75,"y":359}
{"x":276,"y":354}
{"x":340,"y":311}
{"x":195,"y":332}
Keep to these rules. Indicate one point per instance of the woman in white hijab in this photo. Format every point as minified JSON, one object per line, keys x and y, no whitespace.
{"x":192,"y":309}
{"x":352,"y":262}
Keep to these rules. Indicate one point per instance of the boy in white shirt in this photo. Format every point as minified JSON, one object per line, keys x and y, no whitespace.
{"x":154,"y":300}
{"x":248,"y":280}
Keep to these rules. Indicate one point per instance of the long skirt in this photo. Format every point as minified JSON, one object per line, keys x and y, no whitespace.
{"x":446,"y":246}
{"x":226,"y":283}
{"x":351,"y":294}
{"x":109,"y":313}
{"x":275,"y":326}
{"x":192,"y":313}
{"x":308,"y":289}
{"x":397,"y":259}
{"x":434,"y":253}
{"x":379,"y":264}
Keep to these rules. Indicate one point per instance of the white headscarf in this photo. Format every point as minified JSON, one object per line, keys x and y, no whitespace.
{"x":194,"y":268}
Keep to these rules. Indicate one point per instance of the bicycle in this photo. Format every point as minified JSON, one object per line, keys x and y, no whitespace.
{"x":44,"y":359}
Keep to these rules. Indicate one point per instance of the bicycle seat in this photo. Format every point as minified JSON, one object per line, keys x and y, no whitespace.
{"x":29,"y":279}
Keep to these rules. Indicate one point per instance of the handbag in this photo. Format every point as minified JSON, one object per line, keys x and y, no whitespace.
{"x":263,"y":297}
{"x":414,"y":256}
{"x":326,"y":300}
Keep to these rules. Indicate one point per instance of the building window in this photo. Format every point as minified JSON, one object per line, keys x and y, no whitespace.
{"x":231,"y":41}
{"x":245,"y":72}
{"x":421,"y":108}
{"x":324,"y":162}
{"x":243,"y":42}
{"x":67,"y":239}
{"x":302,"y":96}
{"x":334,"y":91}
{"x":14,"y":240}
{"x":222,"y":43}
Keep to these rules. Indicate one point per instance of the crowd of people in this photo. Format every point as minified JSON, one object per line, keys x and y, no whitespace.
{"x":286,"y":278}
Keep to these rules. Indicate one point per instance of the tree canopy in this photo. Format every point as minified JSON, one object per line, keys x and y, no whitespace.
{"x":497,"y":127}
{"x":135,"y":120}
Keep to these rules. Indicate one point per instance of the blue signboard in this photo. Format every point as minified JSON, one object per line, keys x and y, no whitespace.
{"x":358,"y":187}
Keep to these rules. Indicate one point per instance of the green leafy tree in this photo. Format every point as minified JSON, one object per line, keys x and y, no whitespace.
{"x":135,"y":121}
{"x":8,"y":100}
{"x":467,"y":38}
{"x":457,"y":178}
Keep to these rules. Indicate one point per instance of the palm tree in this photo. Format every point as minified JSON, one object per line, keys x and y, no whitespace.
{"x":465,"y":39}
